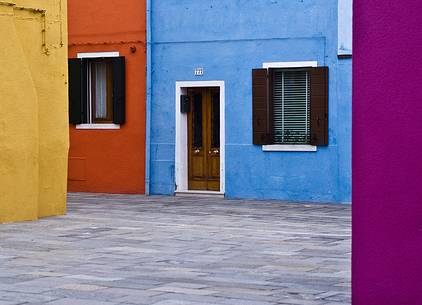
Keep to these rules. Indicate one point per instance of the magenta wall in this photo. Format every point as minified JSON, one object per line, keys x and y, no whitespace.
{"x":387,"y":153}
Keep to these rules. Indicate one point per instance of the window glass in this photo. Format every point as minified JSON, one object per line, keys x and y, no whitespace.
{"x":215,"y":120}
{"x":101,"y":89}
{"x":197,"y":121}
{"x":291,"y":107}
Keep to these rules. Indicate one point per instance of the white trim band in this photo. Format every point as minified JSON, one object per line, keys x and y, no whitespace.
{"x":98,"y":126}
{"x":304,"y":148}
{"x":289,"y":64}
{"x":98,"y":54}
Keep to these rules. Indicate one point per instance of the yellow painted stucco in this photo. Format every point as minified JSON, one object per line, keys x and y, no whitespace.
{"x":34,"y":136}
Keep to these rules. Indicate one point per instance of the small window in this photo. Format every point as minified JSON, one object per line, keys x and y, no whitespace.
{"x":100,"y":91}
{"x":97,"y":90}
{"x":290,"y":106}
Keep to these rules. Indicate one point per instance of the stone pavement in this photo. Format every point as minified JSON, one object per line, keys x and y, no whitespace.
{"x":114,"y":249}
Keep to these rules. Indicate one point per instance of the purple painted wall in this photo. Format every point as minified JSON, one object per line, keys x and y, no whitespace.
{"x":387,"y":153}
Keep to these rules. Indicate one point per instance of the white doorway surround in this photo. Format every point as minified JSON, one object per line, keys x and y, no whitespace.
{"x":181,"y":168}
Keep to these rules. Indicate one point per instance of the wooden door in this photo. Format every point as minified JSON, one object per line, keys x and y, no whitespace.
{"x":204,"y":139}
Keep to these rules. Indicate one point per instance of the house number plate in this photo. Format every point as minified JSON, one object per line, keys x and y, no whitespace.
{"x":199,"y":71}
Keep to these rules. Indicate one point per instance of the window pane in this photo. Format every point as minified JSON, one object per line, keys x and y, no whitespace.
{"x":215,"y":120}
{"x":101,"y":91}
{"x":197,"y":121}
{"x":291,"y":100}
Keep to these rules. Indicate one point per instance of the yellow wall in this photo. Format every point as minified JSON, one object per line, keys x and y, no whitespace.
{"x":33,"y":109}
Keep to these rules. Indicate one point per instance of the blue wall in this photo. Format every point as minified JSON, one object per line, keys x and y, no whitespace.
{"x":228,"y":39}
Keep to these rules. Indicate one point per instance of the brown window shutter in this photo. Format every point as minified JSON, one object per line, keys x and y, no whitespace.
{"x":319,"y":106}
{"x":260,"y":107}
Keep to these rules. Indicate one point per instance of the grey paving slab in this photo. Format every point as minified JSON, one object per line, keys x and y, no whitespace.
{"x":118,"y":249}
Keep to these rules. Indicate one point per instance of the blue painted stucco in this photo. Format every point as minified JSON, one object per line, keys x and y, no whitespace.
{"x":229,"y":39}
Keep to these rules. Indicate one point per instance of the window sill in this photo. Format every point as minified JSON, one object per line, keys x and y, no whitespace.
{"x":305,"y":148}
{"x":98,"y":126}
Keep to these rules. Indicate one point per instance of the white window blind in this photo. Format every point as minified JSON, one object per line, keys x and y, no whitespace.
{"x":291,"y":107}
{"x":100,"y":90}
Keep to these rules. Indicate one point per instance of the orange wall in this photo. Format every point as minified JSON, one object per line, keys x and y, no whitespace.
{"x":111,"y":161}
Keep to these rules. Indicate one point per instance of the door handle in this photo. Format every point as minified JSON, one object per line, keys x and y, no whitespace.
{"x":214,"y":151}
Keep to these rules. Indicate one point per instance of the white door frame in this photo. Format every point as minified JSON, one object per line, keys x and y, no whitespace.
{"x":181,"y":168}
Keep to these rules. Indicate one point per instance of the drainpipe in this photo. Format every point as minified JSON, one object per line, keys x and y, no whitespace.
{"x":148,"y":99}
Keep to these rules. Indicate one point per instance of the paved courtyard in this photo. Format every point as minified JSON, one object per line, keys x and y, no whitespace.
{"x":178,"y":250}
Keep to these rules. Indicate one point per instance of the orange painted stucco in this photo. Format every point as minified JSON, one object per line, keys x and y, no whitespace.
{"x":111,"y":161}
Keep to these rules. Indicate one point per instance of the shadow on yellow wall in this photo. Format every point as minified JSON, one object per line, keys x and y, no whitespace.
{"x":34,"y":110}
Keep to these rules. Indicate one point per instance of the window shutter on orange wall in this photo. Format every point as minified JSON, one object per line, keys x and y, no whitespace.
{"x":261,"y":107}
{"x":319,"y":106}
{"x":76,"y":89}
{"x":84,"y":97}
{"x":119,"y":90}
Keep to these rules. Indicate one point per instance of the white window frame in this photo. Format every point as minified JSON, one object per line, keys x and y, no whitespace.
{"x":345,"y":27}
{"x":293,"y":147}
{"x":96,"y":125}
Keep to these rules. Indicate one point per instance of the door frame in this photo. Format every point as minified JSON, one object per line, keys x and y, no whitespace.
{"x":181,"y":151}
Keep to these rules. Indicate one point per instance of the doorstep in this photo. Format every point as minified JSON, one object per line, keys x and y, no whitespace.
{"x":200,"y":193}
